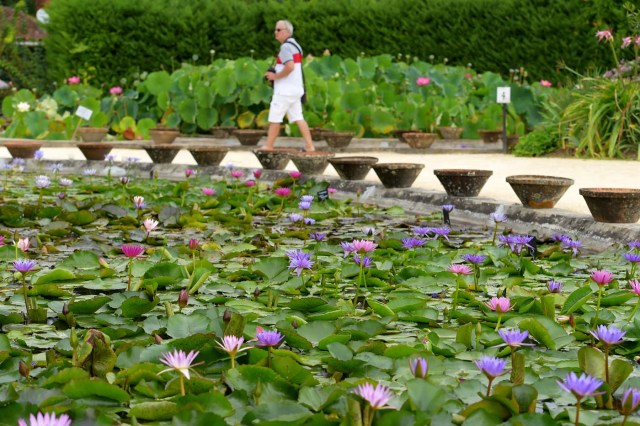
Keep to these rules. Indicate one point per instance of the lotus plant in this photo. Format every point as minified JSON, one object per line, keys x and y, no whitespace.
{"x":458,"y":269}
{"x":500,"y":305}
{"x":513,"y":338}
{"x":601,"y":277}
{"x":607,"y":336}
{"x":581,"y":387}
{"x":232,"y":345}
{"x":476,"y":260}
{"x":268,"y":339}
{"x":24,"y":266}
{"x":181,"y":362}
{"x":491,"y":367}
{"x":376,"y":397}
{"x":46,"y":419}
{"x":131,"y":251}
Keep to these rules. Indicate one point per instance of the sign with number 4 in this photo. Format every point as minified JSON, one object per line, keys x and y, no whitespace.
{"x":504,"y":95}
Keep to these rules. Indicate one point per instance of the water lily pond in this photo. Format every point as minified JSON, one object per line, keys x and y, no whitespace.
{"x":236,"y":301}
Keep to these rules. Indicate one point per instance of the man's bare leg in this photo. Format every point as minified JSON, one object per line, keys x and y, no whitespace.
{"x":306,"y":135}
{"x":272,"y":134}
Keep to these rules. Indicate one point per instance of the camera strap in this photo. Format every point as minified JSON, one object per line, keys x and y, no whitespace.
{"x":304,"y":84}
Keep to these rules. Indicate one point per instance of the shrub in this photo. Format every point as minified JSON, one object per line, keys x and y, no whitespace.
{"x":537,"y":143}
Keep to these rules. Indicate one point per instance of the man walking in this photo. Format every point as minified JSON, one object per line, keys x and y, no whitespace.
{"x":288,"y":87}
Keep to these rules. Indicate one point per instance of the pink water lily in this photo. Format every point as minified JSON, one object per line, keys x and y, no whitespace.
{"x":545,"y":83}
{"x":423,"y":81}
{"x":604,"y":35}
{"x":73,"y":80}
{"x":115,"y":90}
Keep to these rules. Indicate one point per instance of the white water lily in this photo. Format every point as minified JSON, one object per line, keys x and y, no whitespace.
{"x":23,"y":107}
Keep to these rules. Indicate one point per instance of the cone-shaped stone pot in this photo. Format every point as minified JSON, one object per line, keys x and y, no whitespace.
{"x":208,"y":155}
{"x":311,"y":163}
{"x":400,"y":134}
{"x":249,"y":137}
{"x":162,"y":154}
{"x":92,"y":134}
{"x":276,"y":159}
{"x":419,"y":140}
{"x":490,"y":136}
{"x":23,"y":148}
{"x":222,"y":132}
{"x":539,"y":192}
{"x":337,"y":139}
{"x":164,"y":136}
{"x":317,"y":134}
{"x":450,"y":132}
{"x":613,"y":205}
{"x":95,"y":151}
{"x":398,"y":175}
{"x":462,"y":182}
{"x":353,"y":168}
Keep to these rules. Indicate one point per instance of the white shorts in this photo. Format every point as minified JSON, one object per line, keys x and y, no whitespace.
{"x":281,"y":105}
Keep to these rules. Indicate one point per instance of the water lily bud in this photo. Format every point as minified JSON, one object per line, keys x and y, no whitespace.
{"x":157,"y":339}
{"x":183,"y":298}
{"x":294,"y":324}
{"x":226,"y":316}
{"x":194,"y":244}
{"x":256,"y":292}
{"x":23,"y":369}
{"x":103,"y":263}
{"x":65,"y":308}
{"x":572,"y":321}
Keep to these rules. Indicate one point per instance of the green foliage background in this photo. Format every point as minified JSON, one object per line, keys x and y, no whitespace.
{"x":111,"y":39}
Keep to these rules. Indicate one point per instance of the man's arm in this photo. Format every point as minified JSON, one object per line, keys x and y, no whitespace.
{"x":288,"y":69}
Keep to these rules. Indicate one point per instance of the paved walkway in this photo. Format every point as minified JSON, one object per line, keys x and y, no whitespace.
{"x":586,"y":173}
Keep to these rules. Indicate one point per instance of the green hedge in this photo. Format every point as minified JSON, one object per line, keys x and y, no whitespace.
{"x":112,"y":39}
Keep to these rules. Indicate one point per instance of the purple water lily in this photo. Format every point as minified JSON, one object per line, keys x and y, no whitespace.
{"x":474,"y":258}
{"x":411,"y":243}
{"x":299,"y":261}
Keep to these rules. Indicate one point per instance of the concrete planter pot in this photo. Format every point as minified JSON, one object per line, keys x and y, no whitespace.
{"x":400,"y":134}
{"x":23,"y":148}
{"x":163,"y":136}
{"x":539,"y":192}
{"x":162,"y":154}
{"x":613,"y":205}
{"x":397,"y":175}
{"x":92,"y":134}
{"x":311,"y":163}
{"x":222,"y":132}
{"x":337,"y":139}
{"x":462,"y":182}
{"x":95,"y":151}
{"x":450,"y":132}
{"x":353,"y":168}
{"x":317,"y":134}
{"x":208,"y":155}
{"x":490,"y":136}
{"x":276,"y":159}
{"x":249,"y":137}
{"x":419,"y":140}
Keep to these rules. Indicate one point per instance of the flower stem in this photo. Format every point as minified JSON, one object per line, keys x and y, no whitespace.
{"x":606,"y":363}
{"x":26,"y":298}
{"x":499,"y":320}
{"x":595,"y":319}
{"x":489,"y":387}
{"x":233,"y":361}
{"x":633,"y":313}
{"x":578,"y":413}
{"x":182,"y":385}
{"x":130,"y":273}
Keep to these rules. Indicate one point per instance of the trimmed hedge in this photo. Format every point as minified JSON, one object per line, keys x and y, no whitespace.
{"x":112,"y":39}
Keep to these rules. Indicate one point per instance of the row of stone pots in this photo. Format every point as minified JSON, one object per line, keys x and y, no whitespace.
{"x":613,"y":205}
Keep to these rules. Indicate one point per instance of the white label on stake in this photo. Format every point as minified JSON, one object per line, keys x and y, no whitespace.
{"x":504,"y":95}
{"x":84,"y":113}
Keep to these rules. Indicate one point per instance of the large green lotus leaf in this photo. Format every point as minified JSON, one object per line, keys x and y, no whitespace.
{"x":135,"y":306}
{"x":576,"y":299}
{"x":382,"y":122}
{"x":82,"y":217}
{"x":317,"y":398}
{"x":180,"y":325}
{"x":56,"y":275}
{"x":65,"y":376}
{"x":425,"y":396}
{"x":207,"y":117}
{"x":48,"y":290}
{"x":619,"y":371}
{"x":86,"y":388}
{"x":166,"y":273}
{"x":591,"y":361}
{"x":89,"y":306}
{"x":204,"y":95}
{"x":531,"y":419}
{"x":282,"y":413}
{"x":340,"y":338}
{"x":154,"y":410}
{"x":327,"y":313}
{"x":247,"y":377}
{"x":158,"y":82}
{"x":247,"y":74}
{"x":246,"y":120}
{"x":292,"y":372}
{"x":11,"y":215}
{"x":37,"y":123}
{"x":617,"y":298}
{"x":210,"y":402}
{"x":271,"y":268}
{"x":380,"y":308}
{"x":340,"y":351}
{"x":188,"y":109}
{"x":306,"y":304}
{"x":225,"y":83}
{"x":549,"y":333}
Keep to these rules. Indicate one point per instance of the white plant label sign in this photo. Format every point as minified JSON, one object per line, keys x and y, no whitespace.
{"x":84,"y":113}
{"x":504,"y":95}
